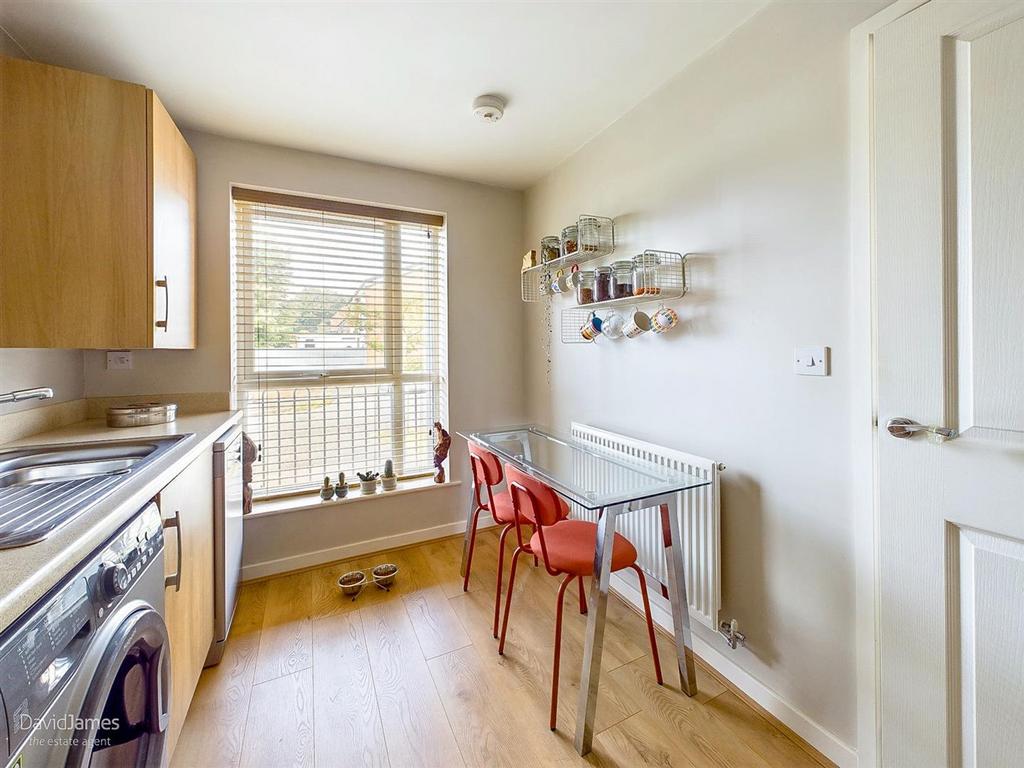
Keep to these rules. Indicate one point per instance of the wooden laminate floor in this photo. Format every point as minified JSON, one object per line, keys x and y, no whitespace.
{"x":412,"y":677}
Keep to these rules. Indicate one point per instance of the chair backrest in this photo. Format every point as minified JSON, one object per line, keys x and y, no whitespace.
{"x":485,"y":465}
{"x":535,"y":502}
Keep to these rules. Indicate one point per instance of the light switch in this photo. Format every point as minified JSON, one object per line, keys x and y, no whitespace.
{"x":119,"y":360}
{"x":811,"y":361}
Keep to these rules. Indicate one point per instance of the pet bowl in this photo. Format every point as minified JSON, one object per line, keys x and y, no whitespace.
{"x":384,"y":575}
{"x":352,"y":583}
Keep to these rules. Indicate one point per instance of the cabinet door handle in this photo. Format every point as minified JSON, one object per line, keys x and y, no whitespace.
{"x":174,"y":580}
{"x":167,"y":303}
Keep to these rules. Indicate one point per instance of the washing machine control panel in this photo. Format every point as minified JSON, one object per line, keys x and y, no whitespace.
{"x":123,"y":560}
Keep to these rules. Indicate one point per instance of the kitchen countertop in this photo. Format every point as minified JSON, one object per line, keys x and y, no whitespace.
{"x":28,"y":573}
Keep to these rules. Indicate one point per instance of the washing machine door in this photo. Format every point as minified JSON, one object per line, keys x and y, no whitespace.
{"x":126,"y":711}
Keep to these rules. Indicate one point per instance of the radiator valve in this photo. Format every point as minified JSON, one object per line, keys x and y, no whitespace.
{"x":730,"y":630}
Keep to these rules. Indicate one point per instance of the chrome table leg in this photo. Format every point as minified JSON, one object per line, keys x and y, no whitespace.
{"x":469,"y":528}
{"x":592,"y":647}
{"x":677,"y":595}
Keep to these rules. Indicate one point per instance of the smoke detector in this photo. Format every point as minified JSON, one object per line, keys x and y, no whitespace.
{"x":489,"y":108}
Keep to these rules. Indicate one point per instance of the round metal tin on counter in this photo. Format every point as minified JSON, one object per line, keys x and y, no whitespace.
{"x":141,"y":414}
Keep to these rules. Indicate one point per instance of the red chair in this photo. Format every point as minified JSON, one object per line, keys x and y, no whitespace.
{"x":568,"y":549}
{"x":486,"y":470}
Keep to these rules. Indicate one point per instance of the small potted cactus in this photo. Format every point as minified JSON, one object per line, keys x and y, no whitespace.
{"x":326,"y":490}
{"x":388,"y":481}
{"x":368,"y":482}
{"x":341,"y":489}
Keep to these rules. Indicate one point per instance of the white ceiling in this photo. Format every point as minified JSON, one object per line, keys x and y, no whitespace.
{"x":387,"y":82}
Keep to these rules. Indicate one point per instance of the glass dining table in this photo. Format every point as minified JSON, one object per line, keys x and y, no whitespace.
{"x":612,"y":485}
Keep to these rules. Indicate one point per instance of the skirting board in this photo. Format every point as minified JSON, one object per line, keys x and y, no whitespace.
{"x":802,"y":725}
{"x":355,"y":549}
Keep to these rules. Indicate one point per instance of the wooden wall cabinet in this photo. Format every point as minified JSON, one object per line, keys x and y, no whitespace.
{"x":189,"y":608}
{"x":97,"y":214}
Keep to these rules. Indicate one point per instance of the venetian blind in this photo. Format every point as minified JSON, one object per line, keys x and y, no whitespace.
{"x":340,"y":337}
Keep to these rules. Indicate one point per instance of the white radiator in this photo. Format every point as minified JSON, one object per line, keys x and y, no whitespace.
{"x":699,"y":511}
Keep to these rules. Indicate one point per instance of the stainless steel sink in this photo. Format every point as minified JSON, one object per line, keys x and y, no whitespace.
{"x":45,"y":487}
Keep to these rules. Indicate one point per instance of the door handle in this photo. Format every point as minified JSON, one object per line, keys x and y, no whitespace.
{"x":903,"y":428}
{"x":174,"y":580}
{"x":167,"y":303}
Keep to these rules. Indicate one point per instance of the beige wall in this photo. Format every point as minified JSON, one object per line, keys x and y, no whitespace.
{"x":485,"y":227}
{"x":742,"y":160}
{"x":484,"y":233}
{"x":60,"y":369}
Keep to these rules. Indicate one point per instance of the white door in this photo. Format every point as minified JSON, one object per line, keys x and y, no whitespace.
{"x":949,"y":246}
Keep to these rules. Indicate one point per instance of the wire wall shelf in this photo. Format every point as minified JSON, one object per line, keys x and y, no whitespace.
{"x":571,"y":325}
{"x":658,"y":283}
{"x":595,"y":238}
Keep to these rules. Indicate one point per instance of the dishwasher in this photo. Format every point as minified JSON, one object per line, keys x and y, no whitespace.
{"x":227,"y":536}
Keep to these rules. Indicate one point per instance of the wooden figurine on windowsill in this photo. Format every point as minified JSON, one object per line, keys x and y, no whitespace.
{"x":442,"y":442}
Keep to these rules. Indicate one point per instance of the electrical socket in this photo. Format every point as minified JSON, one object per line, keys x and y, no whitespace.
{"x":119,"y":360}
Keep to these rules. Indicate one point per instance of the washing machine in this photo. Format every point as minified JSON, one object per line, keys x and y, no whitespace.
{"x":85,"y":673}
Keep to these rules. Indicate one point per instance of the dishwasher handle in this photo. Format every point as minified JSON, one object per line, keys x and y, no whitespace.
{"x":174,"y":580}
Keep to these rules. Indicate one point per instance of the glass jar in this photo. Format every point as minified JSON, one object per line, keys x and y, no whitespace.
{"x":544,"y":284}
{"x":603,"y":283}
{"x":622,"y":279}
{"x":645,"y":274}
{"x":550,"y":248}
{"x":570,"y":240}
{"x":585,"y":287}
{"x":589,"y":234}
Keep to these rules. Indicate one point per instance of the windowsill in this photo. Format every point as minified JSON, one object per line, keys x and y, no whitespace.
{"x":265,"y":507}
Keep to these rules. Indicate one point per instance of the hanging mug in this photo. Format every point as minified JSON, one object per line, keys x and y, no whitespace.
{"x":567,"y":283}
{"x":637,"y":324}
{"x":612,"y":325}
{"x":664,"y":319}
{"x":573,"y":279}
{"x":592,"y":328}
{"x":556,"y":282}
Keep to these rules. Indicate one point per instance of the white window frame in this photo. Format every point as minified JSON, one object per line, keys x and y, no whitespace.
{"x":247,"y":379}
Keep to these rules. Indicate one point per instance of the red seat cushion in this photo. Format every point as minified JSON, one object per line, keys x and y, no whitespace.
{"x":502,"y":511}
{"x":571,"y":544}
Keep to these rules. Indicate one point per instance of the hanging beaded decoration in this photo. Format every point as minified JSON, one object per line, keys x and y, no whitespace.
{"x":548,"y":330}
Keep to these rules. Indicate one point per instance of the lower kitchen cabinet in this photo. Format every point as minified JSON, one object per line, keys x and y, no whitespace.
{"x":188,"y":499}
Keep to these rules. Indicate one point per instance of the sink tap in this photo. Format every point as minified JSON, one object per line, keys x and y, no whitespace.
{"x":39,"y":393}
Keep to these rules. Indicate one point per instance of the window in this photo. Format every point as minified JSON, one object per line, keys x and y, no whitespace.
{"x":340,"y":337}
